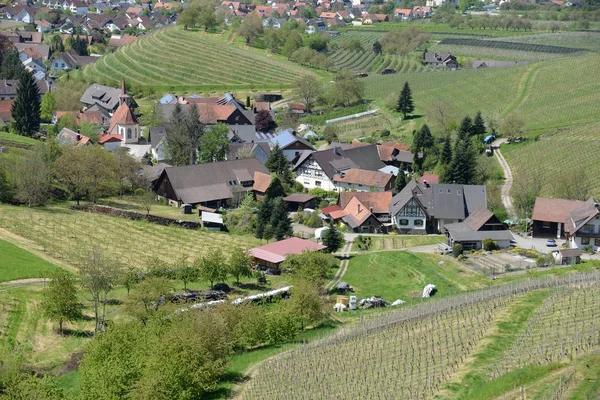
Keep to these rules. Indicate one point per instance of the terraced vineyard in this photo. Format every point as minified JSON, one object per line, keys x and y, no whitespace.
{"x":543,"y":92}
{"x":554,"y":154}
{"x":174,"y":58}
{"x":66,"y":235}
{"x":353,"y":60}
{"x":418,"y":352}
{"x":589,"y":41}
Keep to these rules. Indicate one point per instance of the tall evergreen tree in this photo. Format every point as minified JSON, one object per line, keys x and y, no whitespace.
{"x":26,"y":108}
{"x":400,"y":182}
{"x":277,"y":161}
{"x":417,"y":143}
{"x":12,"y":67}
{"x":333,"y":238}
{"x":465,"y":129}
{"x":275,"y":189}
{"x":426,"y":137}
{"x":405,"y":102}
{"x":478,"y":128}
{"x":462,"y":169}
{"x":446,"y":157}
{"x":195,"y":131}
{"x":263,"y":217}
{"x":281,"y":225}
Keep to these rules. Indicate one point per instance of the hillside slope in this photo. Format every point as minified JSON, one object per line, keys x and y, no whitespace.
{"x":175,"y":58}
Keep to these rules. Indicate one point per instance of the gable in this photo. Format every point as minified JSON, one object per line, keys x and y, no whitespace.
{"x":412,"y":209}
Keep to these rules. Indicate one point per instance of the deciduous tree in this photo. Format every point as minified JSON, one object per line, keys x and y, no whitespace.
{"x":31,"y":179}
{"x":144,"y":302}
{"x":513,"y":125}
{"x":212,"y":266}
{"x":346,"y":90}
{"x":214,"y":144}
{"x":308,"y":89}
{"x":239,"y":264}
{"x":60,"y":302}
{"x":263,"y":120}
{"x":251,"y":28}
{"x":47,"y":107}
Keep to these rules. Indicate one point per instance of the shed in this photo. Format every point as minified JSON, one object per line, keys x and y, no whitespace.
{"x":567,"y":256}
{"x":319,"y":232}
{"x":300,"y":200}
{"x":212,"y":220}
{"x":273,"y":254}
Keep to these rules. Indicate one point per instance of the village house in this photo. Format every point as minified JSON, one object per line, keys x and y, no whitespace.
{"x":22,"y":13}
{"x":105,"y":97}
{"x":404,"y":14}
{"x":318,"y":169}
{"x":292,"y":145}
{"x":549,"y":217}
{"x":440,"y":59}
{"x":158,"y":143}
{"x":427,"y":208}
{"x":261,"y":183}
{"x":376,"y":202}
{"x":479,"y":225}
{"x":357,"y":217}
{"x":360,"y":180}
{"x":397,"y":155}
{"x":69,"y":137}
{"x":70,"y":60}
{"x":8,"y":88}
{"x":300,"y":201}
{"x":260,"y":150}
{"x":214,"y":185}
{"x":583,"y":225}
{"x":273,"y":254}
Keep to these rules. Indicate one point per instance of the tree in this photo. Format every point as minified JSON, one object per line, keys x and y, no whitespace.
{"x":478,"y":128}
{"x":212,"y":266}
{"x":280,"y":222}
{"x":446,"y":157}
{"x":399,"y":182}
{"x":72,"y":171}
{"x":293,"y":42}
{"x":275,"y":189}
{"x":195,"y":132}
{"x":251,"y":28}
{"x":47,"y":107}
{"x":377,"y":47}
{"x":573,"y":184}
{"x":333,"y":239}
{"x":346,"y":90}
{"x":308,"y":89}
{"x":277,"y":163}
{"x":31,"y":179}
{"x":126,"y":169}
{"x":440,"y":113}
{"x":101,"y":168}
{"x":130,"y":277}
{"x":405,"y":104}
{"x":263,"y":120}
{"x":80,"y":45}
{"x":305,"y":302}
{"x":310,"y":265}
{"x":187,"y":273}
{"x":146,"y":198}
{"x":463,"y":166}
{"x":207,"y":18}
{"x":178,"y":141}
{"x":26,"y":108}
{"x":331,"y":133}
{"x":426,"y":139}
{"x":214,"y":144}
{"x":465,"y":129}
{"x":239,"y":264}
{"x":99,"y":275}
{"x":144,"y":302}
{"x":12,"y":67}
{"x":263,"y":216}
{"x":188,"y":18}
{"x":60,"y":302}
{"x":512,"y":125}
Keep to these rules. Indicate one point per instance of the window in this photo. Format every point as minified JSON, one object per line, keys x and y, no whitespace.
{"x":359,"y":185}
{"x":318,"y":183}
{"x":449,"y":191}
{"x":318,"y":173}
{"x":128,"y":133}
{"x":55,"y":65}
{"x":546,"y":225}
{"x":418,"y":222}
{"x":306,"y":182}
{"x":458,"y":192}
{"x":597,"y":242}
{"x":441,"y":191}
{"x":403,"y":222}
{"x":585,"y":240}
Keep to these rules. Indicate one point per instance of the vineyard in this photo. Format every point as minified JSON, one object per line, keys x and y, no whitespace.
{"x":416,"y":352}
{"x":589,"y":41}
{"x":176,"y":58}
{"x":66,"y":235}
{"x":553,"y":154}
{"x":543,"y":92}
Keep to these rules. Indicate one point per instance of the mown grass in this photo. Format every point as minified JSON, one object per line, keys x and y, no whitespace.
{"x":400,"y":241}
{"x":403,"y":275}
{"x":173,"y":58}
{"x":16,"y":263}
{"x":9,"y":139}
{"x":436,"y":29}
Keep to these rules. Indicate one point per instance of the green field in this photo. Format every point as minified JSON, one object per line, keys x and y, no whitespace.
{"x":554,"y":153}
{"x":11,"y":139}
{"x":543,"y":92}
{"x":403,"y":275}
{"x":437,"y":30}
{"x":172,"y":59}
{"x":16,"y":263}
{"x":67,"y":235}
{"x":392,"y":242}
{"x":580,"y":40}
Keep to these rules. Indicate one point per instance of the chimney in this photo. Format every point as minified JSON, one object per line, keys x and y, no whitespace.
{"x":358,"y":209}
{"x":371,"y":210}
{"x":426,"y":184}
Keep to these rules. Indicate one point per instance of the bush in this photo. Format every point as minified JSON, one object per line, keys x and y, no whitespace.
{"x":313,"y":220}
{"x":490,"y":245}
{"x":364,"y":242}
{"x":589,"y":249}
{"x":457,"y":250}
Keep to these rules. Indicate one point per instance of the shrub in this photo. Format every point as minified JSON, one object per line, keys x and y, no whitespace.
{"x":364,"y":242}
{"x":313,"y":220}
{"x":457,"y":250}
{"x":589,"y":249}
{"x":490,"y":245}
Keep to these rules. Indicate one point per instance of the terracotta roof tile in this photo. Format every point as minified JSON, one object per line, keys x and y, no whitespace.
{"x":110,"y":138}
{"x":261,"y":182}
{"x":553,"y":210}
{"x":430,"y":178}
{"x":364,"y":177}
{"x":378,"y":201}
{"x":277,"y":251}
{"x":123,"y":116}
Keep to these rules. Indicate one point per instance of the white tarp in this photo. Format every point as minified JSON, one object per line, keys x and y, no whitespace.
{"x":427,"y":291}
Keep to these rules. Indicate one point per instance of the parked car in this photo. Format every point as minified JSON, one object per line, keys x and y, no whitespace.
{"x":551,"y":243}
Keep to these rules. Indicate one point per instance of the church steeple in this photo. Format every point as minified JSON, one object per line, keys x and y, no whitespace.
{"x":124,"y":97}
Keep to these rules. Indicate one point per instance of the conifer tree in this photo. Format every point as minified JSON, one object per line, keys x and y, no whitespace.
{"x":333,"y":238}
{"x":275,"y":189}
{"x":465,"y":129}
{"x":263,"y":217}
{"x":446,"y":151}
{"x":417,"y":143}
{"x":26,"y":108}
{"x":12,"y":67}
{"x":281,"y":225}
{"x":400,"y":182}
{"x":462,"y":169}
{"x":405,"y":102}
{"x":277,"y":161}
{"x":478,"y":128}
{"x":425,"y":137}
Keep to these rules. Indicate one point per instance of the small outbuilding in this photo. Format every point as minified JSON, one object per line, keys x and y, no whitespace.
{"x":300,"y":200}
{"x":212,"y":221}
{"x":567,"y":256}
{"x":273,"y":254}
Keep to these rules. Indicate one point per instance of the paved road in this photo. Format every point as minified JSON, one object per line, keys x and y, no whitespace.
{"x":508,"y":180}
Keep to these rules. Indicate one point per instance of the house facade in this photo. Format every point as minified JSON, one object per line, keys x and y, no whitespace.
{"x":549,"y":217}
{"x":584,"y":226}
{"x":480,"y":225}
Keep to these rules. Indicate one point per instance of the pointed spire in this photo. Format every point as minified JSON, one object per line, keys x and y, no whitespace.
{"x":124,"y":98}
{"x":123,"y":87}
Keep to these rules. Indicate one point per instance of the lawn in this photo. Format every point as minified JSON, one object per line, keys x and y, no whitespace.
{"x":552,"y":155}
{"x":400,"y":241}
{"x":11,"y":139}
{"x":68,"y":235}
{"x":174,"y":59}
{"x":403,"y":275}
{"x":16,"y":263}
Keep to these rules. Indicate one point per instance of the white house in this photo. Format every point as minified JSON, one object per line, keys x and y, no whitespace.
{"x":78,"y":7}
{"x":584,"y":225}
{"x":21,"y":13}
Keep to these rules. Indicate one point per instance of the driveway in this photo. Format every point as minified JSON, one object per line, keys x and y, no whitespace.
{"x":508,"y":179}
{"x":538,"y":244}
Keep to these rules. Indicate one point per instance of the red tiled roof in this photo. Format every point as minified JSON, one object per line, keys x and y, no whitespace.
{"x":553,"y":210}
{"x":276,"y":252}
{"x":378,"y":201}
{"x":430,"y":178}
{"x":110,"y":138}
{"x":328,"y":210}
{"x":364,"y":177}
{"x":6,"y":110}
{"x":261,"y":182}
{"x":123,"y":116}
{"x":212,"y":113}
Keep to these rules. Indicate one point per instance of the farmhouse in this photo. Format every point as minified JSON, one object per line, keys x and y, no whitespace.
{"x":583,"y":225}
{"x":357,"y":217}
{"x":425,"y":208}
{"x":361,"y":180}
{"x":396,"y":155}
{"x":214,"y":185}
{"x":440,"y":59}
{"x":273,"y":254}
{"x":480,"y":225}
{"x":319,"y":168}
{"x":104,"y":97}
{"x":376,"y":202}
{"x":293,"y":146}
{"x":549,"y":217}
{"x":69,"y":137}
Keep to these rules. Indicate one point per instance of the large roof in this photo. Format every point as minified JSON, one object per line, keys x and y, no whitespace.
{"x":201,"y":183}
{"x":105,"y":96}
{"x":582,"y":215}
{"x":461,"y":232}
{"x":262,"y":182}
{"x":553,"y":210}
{"x":123,"y":116}
{"x":378,"y":201}
{"x":67,"y":136}
{"x":335,"y":159}
{"x":364,"y":177}
{"x":356,"y":213}
{"x":276,"y":252}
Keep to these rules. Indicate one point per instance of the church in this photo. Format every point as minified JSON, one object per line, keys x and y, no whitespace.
{"x":124,"y":128}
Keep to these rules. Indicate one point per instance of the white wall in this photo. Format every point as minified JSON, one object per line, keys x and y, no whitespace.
{"x":112,"y":146}
{"x":310,"y":173}
{"x":442,"y":222}
{"x":348,"y":187}
{"x":576,"y":241}
{"x":411,"y":222}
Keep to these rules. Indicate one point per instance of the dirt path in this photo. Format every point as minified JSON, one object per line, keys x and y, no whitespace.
{"x":345,"y":254}
{"x":30,"y":246}
{"x":508,"y":180}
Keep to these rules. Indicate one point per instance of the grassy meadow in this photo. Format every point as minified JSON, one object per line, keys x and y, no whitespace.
{"x":16,"y":263}
{"x":393,"y":242}
{"x":172,"y":59}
